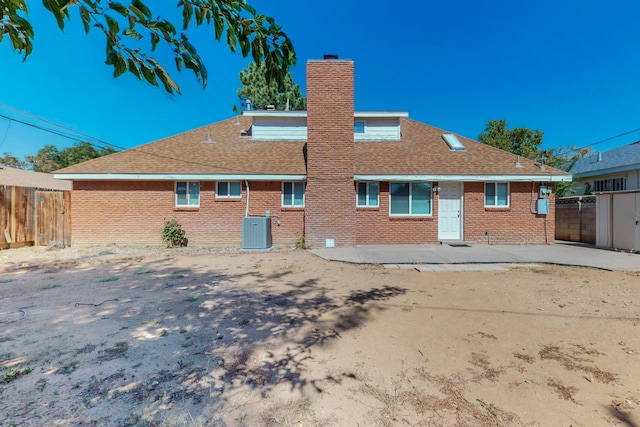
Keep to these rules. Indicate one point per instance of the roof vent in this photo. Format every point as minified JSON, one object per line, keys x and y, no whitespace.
{"x":209,"y":140}
{"x":453,"y":142}
{"x":518,"y":164}
{"x":330,"y":56}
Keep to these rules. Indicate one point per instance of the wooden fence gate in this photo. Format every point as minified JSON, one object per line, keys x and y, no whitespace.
{"x":34,"y":217}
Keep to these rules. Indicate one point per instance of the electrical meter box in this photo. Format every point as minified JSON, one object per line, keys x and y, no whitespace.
{"x":543,"y":206}
{"x":545,"y":190}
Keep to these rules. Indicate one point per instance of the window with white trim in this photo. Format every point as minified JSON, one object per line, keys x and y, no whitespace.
{"x":368,"y":195}
{"x":358,"y":126}
{"x":293,"y":194}
{"x":187,"y":193}
{"x":410,"y":198}
{"x":228,"y":190}
{"x":496,"y":194}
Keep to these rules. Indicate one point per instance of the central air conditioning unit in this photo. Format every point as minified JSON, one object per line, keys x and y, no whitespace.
{"x":256,"y":233}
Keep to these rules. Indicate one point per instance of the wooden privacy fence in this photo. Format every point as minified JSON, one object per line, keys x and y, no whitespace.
{"x":576,"y":219}
{"x":29,"y":216}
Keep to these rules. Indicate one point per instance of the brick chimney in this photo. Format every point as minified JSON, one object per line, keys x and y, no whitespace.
{"x":330,"y":201}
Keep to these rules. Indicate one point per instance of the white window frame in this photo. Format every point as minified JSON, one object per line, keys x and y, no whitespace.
{"x":188,"y":204}
{"x":368,"y":194}
{"x":495,"y":196}
{"x":228,"y":195}
{"x":293,"y":186}
{"x":411,"y":200}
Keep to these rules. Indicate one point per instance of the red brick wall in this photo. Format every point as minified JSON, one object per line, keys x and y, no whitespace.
{"x":375,"y":226}
{"x":515,"y":224}
{"x":133,"y":213}
{"x":329,"y":200}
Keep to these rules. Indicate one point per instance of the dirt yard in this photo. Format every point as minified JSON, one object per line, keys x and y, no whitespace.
{"x":119,"y":337}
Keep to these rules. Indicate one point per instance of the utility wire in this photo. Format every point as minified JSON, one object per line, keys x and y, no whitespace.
{"x":64,"y":135}
{"x":53,"y":123}
{"x":610,"y":138}
{"x":138,"y":150}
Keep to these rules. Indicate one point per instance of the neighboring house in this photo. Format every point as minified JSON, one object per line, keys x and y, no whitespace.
{"x":329,"y":174}
{"x":614,"y":178}
{"x":24,"y":178}
{"x":34,"y":208}
{"x":614,"y":170}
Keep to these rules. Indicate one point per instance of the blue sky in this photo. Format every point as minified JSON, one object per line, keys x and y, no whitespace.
{"x":568,"y":68}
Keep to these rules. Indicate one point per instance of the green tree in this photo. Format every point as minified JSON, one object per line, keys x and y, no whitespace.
{"x":521,"y":141}
{"x":258,"y":89}
{"x":528,"y":143}
{"x":125,"y":25}
{"x":49,"y":158}
{"x":7,"y":159}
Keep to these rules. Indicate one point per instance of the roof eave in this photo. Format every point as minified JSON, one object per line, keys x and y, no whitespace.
{"x":464,"y":178}
{"x":177,"y":177}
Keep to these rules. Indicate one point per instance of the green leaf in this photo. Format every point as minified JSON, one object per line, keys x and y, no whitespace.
{"x":187,"y":11}
{"x":169,"y":85}
{"x":133,"y":68}
{"x":120,"y":65}
{"x":137,"y":12}
{"x":179,"y":63}
{"x":199,"y":16}
{"x":148,"y":74}
{"x":132,"y":33}
{"x":218,"y":26}
{"x":142,"y":8}
{"x":53,"y":7}
{"x":86,"y":18}
{"x":114,"y":28}
{"x":155,"y":39}
{"x":119,"y":8}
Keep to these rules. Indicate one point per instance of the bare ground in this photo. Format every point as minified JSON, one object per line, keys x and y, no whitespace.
{"x":151,"y":337}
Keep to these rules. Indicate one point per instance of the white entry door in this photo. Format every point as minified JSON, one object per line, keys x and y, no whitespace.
{"x":450,"y":211}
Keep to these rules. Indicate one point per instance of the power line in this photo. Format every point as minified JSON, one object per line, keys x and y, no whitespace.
{"x":66,"y":135}
{"x":43,"y":129}
{"x":54,"y":124}
{"x":610,"y":138}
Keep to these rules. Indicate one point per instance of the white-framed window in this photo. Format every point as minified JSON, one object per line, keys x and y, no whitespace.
{"x":293,"y":194}
{"x":368,"y":195}
{"x":187,"y":193}
{"x":410,"y":198}
{"x":358,"y":126}
{"x":228,"y":190}
{"x":496,"y":194}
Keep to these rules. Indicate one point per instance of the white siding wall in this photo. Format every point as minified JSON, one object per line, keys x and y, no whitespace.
{"x":379,"y":129}
{"x":279,"y":128}
{"x":295,"y":129}
{"x":633,"y":181}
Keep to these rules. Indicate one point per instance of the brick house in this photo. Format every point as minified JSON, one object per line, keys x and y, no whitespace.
{"x":330,"y":174}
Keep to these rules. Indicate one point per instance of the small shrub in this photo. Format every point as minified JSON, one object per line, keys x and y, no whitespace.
{"x":173,"y":234}
{"x":301,"y":244}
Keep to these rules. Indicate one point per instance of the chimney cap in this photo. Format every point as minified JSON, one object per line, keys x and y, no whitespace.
{"x":330,"y":56}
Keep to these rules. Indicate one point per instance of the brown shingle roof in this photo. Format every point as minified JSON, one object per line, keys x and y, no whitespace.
{"x":420,"y":151}
{"x":22,"y":178}
{"x":190,"y":153}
